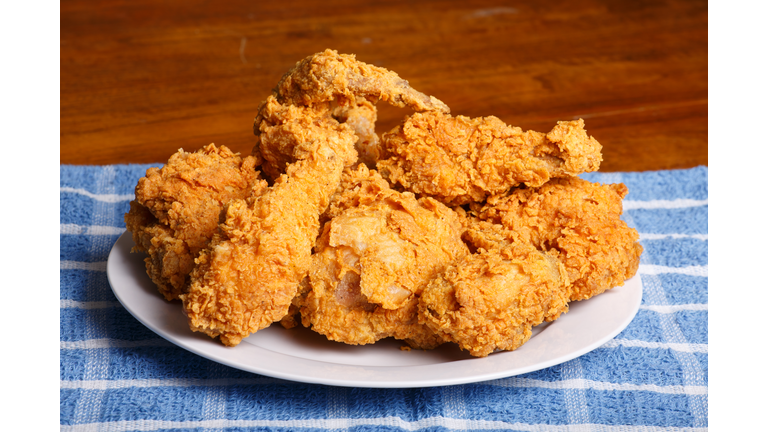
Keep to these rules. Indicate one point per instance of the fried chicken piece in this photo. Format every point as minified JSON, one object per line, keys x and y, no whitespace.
{"x":335,"y":85}
{"x":490,"y":300}
{"x":330,"y":76}
{"x":176,"y":210}
{"x":459,"y":160}
{"x":534,"y":251}
{"x":282,"y":132}
{"x":579,"y":220}
{"x":362,"y":118}
{"x":251,"y":271}
{"x":378,"y":250}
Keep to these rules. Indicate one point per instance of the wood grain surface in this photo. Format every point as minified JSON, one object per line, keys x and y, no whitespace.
{"x":141,"y":79}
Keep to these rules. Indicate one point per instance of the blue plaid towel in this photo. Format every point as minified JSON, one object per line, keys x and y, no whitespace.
{"x":118,"y":375}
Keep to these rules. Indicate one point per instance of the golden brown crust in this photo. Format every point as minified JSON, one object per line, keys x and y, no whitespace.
{"x":491,"y":299}
{"x":247,"y":277}
{"x":177,"y":207}
{"x":328,"y":76}
{"x":361,"y":117}
{"x":238,"y":253}
{"x":459,"y":160}
{"x":375,"y":255}
{"x":331,"y":87}
{"x":579,"y":220}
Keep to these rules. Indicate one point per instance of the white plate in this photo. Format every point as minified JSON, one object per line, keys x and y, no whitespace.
{"x":302,"y":355}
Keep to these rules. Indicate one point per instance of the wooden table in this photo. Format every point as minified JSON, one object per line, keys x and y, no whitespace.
{"x":141,"y":79}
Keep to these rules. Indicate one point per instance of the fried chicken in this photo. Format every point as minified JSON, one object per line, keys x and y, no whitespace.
{"x":334,"y":85}
{"x":578,"y":220}
{"x":378,"y":250}
{"x":459,"y":160}
{"x":534,"y":251}
{"x":491,"y":299}
{"x":238,"y":252}
{"x":329,"y":76}
{"x":251,"y":271}
{"x":362,"y":118}
{"x":282,"y":132}
{"x":176,"y":210}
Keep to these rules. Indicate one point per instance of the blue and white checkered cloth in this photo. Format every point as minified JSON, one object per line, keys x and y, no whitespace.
{"x":118,"y":375}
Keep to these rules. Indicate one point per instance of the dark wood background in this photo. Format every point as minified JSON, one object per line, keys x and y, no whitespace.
{"x":141,"y":79}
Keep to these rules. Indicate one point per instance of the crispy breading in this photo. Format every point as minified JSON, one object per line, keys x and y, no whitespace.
{"x":377,"y":251}
{"x":332,"y":85}
{"x":177,"y":207}
{"x":459,"y":160}
{"x":283,"y":131}
{"x":362,"y":118}
{"x":578,"y":219}
{"x":529,"y":238}
{"x":490,"y":300}
{"x":251,"y":271}
{"x":330,"y":76}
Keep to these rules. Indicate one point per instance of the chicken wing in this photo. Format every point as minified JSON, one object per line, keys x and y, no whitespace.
{"x":329,"y":76}
{"x":459,"y":160}
{"x":333,"y":84}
